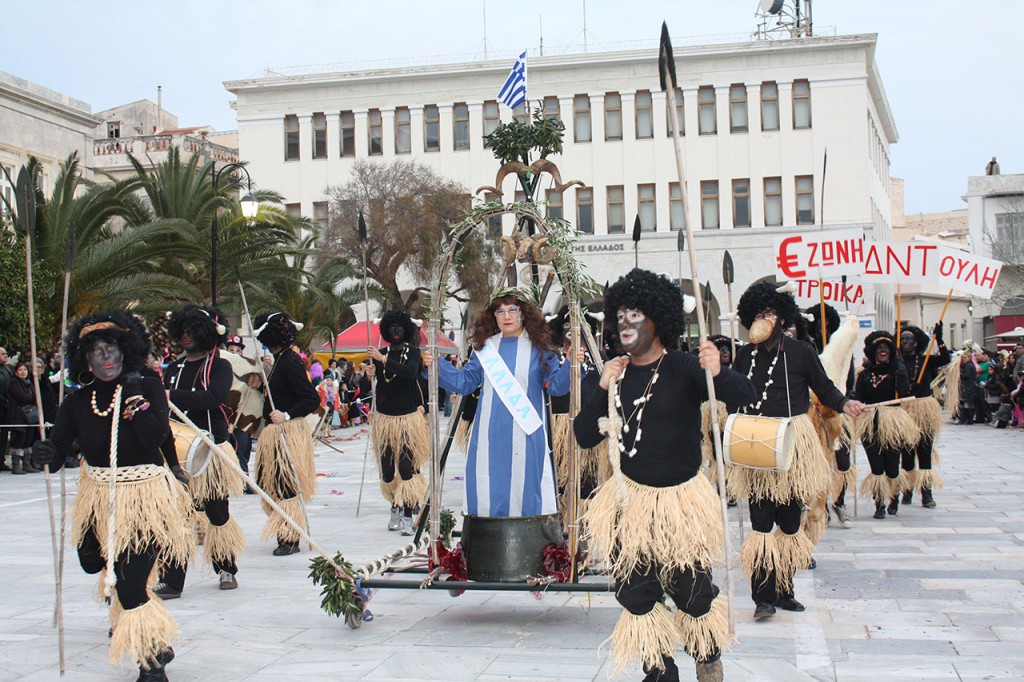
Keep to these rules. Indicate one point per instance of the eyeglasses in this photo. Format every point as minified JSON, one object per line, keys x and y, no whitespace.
{"x":510,"y":310}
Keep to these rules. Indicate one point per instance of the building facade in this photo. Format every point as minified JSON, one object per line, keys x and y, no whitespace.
{"x":757,"y":119}
{"x":36,"y":121}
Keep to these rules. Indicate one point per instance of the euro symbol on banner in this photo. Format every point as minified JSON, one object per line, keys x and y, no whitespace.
{"x":787,"y":262}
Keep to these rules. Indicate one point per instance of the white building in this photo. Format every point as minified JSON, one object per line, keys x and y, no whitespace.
{"x":757,"y":118}
{"x":995,"y":220}
{"x":36,"y":121}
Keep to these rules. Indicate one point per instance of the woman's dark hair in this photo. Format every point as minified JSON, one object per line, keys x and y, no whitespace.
{"x":113,"y":326}
{"x":763,"y":295}
{"x":199,"y":322}
{"x":875,"y":338}
{"x":27,"y":364}
{"x":654,"y":295}
{"x":279,"y":331}
{"x":485,"y":325}
{"x":400,"y":317}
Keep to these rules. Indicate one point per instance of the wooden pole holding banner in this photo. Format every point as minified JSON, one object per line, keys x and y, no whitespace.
{"x":931,"y":343}
{"x":729,"y":276}
{"x":669,"y":84}
{"x":26,"y":202}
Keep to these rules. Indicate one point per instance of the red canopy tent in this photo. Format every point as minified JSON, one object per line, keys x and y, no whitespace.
{"x":353,"y":340}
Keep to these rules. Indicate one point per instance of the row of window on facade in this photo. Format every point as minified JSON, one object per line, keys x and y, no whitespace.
{"x":647,"y":203}
{"x":643,"y":123}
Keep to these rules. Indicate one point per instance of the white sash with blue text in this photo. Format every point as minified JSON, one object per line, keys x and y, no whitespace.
{"x":508,"y":388}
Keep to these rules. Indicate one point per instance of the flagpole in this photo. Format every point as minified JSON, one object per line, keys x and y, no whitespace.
{"x":668,"y":78}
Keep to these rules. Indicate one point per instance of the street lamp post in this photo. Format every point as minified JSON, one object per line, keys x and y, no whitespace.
{"x":249,"y":208}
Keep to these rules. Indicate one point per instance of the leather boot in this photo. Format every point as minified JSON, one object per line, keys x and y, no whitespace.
{"x":894,"y":505}
{"x":16,"y":465}
{"x":908,"y":497}
{"x":156,"y":671}
{"x":879,"y":510}
{"x":926,"y":498}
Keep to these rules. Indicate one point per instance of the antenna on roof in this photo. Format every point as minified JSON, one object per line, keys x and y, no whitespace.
{"x":783,"y":19}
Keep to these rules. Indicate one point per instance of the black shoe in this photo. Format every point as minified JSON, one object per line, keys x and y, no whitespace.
{"x":249,"y":490}
{"x":908,"y":497}
{"x":284,"y":549}
{"x":669,"y":674}
{"x":879,"y":511}
{"x":165,"y":591}
{"x":763,"y":610}
{"x":813,"y":564}
{"x":732,"y":502}
{"x":894,"y":506}
{"x":926,"y":499}
{"x":156,"y":671}
{"x":789,"y":604}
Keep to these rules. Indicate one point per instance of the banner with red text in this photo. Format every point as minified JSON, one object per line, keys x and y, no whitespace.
{"x":838,"y":295}
{"x":810,"y":255}
{"x":934,"y":264}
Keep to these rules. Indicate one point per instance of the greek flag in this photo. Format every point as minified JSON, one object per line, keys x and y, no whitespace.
{"x":513,"y":92}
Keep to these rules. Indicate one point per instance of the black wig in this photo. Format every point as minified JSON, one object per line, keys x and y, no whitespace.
{"x":763,"y":295}
{"x":560,"y":325}
{"x":876,"y":337}
{"x":832,"y":323}
{"x":656,"y":296}
{"x":276,"y":330}
{"x":201,"y":324}
{"x":402,"y":318}
{"x":116,"y":326}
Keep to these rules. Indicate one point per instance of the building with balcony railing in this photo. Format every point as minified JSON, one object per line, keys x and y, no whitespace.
{"x":110,"y":155}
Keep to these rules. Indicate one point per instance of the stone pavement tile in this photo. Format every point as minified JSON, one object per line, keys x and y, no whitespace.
{"x":990,"y":667}
{"x":891,"y":618}
{"x":899,"y":647}
{"x":556,"y":665}
{"x":881,"y":668}
{"x":1009,"y":634}
{"x":954,"y":634}
{"x":436,"y":662}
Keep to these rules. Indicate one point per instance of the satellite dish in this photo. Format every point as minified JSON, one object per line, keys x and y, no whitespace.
{"x":771,"y":6}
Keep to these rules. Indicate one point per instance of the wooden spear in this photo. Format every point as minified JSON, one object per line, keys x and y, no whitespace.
{"x":669,"y":84}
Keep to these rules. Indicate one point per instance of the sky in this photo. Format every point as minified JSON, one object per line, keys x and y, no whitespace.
{"x":951,"y":69}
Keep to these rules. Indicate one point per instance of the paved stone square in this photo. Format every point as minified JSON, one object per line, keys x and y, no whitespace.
{"x":928,"y":595}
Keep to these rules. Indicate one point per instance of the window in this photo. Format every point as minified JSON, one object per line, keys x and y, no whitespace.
{"x":494,"y":221}
{"x":551,"y":109}
{"x":460,"y":126}
{"x":376,"y":132}
{"x":741,"y":203}
{"x":431,"y":128}
{"x":492,"y":117}
{"x":581,"y":118}
{"x":554,"y":204}
{"x":403,"y":131}
{"x":648,"y":207}
{"x":680,"y":122}
{"x":738,"y":108}
{"x":521,"y":113}
{"x":676,"y":214}
{"x":319,"y":136}
{"x":291,"y":138}
{"x":804,"y":200}
{"x":644,"y":115}
{"x":801,"y":104}
{"x":772,"y":202}
{"x":709,"y":204}
{"x":348,"y":133}
{"x":616,"y":210}
{"x":1009,"y":236}
{"x":706,"y":110}
{"x":320,"y":217}
{"x":612,"y":116}
{"x":585,"y":210}
{"x":293,"y":210}
{"x":769,"y":105}
{"x":113,"y":130}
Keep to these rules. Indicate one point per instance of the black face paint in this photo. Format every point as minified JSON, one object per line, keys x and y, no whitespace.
{"x":636,"y":332}
{"x":105,"y":360}
{"x":883,"y":354}
{"x":908,"y":344}
{"x":396,"y":333}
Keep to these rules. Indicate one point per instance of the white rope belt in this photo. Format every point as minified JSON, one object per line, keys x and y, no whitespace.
{"x":131,"y":474}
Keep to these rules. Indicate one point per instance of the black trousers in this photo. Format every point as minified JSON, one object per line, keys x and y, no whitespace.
{"x":843,"y":464}
{"x":132,"y":569}
{"x":691,"y":590}
{"x":764,"y":516}
{"x":919,"y":456}
{"x":174,"y":574}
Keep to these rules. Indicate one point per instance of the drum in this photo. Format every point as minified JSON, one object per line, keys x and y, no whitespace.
{"x":756,"y":442}
{"x":508,"y":549}
{"x":193,"y":454}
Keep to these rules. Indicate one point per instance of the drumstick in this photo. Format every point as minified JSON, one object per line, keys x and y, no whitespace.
{"x":897,"y":401}
{"x":232,"y":463}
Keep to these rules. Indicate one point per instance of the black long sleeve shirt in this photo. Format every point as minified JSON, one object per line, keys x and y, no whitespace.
{"x":202,"y":397}
{"x":878,"y":383}
{"x":399,"y":391}
{"x":914,"y":363}
{"x":669,"y":450}
{"x":139,"y":439}
{"x":290,"y":387}
{"x":800,"y":366}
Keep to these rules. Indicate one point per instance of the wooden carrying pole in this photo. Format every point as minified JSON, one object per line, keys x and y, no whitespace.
{"x":931,"y":343}
{"x":666,"y":63}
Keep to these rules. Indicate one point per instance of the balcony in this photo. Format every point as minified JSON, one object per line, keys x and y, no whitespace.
{"x":111,"y":154}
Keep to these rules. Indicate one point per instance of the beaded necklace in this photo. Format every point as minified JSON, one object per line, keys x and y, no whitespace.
{"x":769,"y":378}
{"x":96,"y":410}
{"x":401,"y":361}
{"x":638,"y":406}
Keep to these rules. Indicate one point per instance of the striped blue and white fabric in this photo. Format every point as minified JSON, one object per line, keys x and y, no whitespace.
{"x":508,"y":473}
{"x":513,"y":92}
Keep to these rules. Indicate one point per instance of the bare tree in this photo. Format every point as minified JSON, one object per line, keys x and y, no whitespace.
{"x":1006,"y":241}
{"x":408,"y":208}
